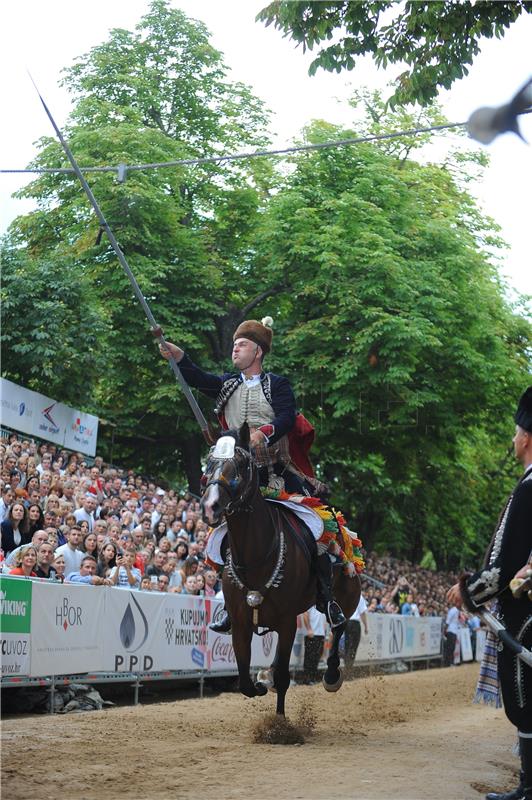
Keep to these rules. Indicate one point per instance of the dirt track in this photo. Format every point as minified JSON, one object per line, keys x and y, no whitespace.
{"x":405,"y":737}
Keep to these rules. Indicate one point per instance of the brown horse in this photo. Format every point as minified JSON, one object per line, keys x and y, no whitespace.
{"x":268,"y":580}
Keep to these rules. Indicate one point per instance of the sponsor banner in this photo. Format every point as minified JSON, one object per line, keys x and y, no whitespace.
{"x":15,"y":625}
{"x":148,"y":632}
{"x":37,"y":415}
{"x":480,"y":642}
{"x":66,"y":624}
{"x":394,"y":636}
{"x":466,"y":650}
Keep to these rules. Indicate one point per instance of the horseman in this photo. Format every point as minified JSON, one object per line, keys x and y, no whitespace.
{"x":266,"y":402}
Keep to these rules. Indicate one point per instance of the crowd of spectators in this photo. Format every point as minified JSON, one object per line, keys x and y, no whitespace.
{"x":65,"y":519}
{"x":400,"y":587}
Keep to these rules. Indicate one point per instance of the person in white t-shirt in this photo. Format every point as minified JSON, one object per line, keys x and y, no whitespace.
{"x":314,"y":622}
{"x":353,"y":631}
{"x":70,"y":551}
{"x":452,"y":627}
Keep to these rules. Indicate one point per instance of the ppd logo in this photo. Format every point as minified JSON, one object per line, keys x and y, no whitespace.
{"x":67,"y":615}
{"x":134,"y":631}
{"x":396,"y":641}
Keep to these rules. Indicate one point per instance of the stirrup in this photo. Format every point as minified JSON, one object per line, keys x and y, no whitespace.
{"x":335,"y":615}
{"x":224,"y":626}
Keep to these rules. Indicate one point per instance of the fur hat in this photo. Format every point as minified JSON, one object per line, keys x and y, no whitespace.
{"x":523,"y":415}
{"x":259,"y":332}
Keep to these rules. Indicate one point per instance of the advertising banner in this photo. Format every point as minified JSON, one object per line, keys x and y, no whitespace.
{"x":67,"y":623}
{"x":466,"y":650}
{"x":394,"y":636}
{"x":15,"y":625}
{"x":37,"y":415}
{"x":148,"y":632}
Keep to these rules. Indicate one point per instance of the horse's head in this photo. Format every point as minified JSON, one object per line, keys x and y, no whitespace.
{"x":230,"y":476}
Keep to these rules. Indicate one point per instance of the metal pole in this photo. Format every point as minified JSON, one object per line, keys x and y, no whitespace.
{"x":122,"y":259}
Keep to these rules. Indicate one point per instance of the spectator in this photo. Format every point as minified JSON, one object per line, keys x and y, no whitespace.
{"x":159,"y":530}
{"x":71,"y":552}
{"x":124,"y":575}
{"x":200,"y":584}
{"x":87,"y":511}
{"x":8,"y":495}
{"x":45,"y":559}
{"x":163,"y":583}
{"x":89,"y":545}
{"x":145,"y":584}
{"x":190,"y":586}
{"x":353,"y":632}
{"x":211,"y":583}
{"x":409,"y":608}
{"x":15,"y":528}
{"x":25,"y":562}
{"x":314,"y":623}
{"x":87,"y":574}
{"x":451,"y":630}
{"x":181,"y":551}
{"x":107,"y":558}
{"x":35,"y":518}
{"x":156,"y":565}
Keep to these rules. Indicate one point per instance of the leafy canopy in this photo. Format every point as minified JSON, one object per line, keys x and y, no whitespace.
{"x":437,"y":40}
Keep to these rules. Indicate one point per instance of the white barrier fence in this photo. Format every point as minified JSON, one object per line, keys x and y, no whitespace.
{"x":64,"y":629}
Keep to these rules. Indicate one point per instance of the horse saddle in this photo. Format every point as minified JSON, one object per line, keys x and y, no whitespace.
{"x":295,"y":527}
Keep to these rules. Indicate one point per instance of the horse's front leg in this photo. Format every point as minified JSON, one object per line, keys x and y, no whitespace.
{"x":333,"y":678}
{"x":281,"y":664}
{"x":242,"y":634}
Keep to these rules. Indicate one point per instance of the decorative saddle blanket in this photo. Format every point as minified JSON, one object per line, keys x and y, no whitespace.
{"x":325,"y":523}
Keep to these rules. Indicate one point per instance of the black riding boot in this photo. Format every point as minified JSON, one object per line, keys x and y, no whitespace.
{"x":325,"y":601}
{"x":224,"y":626}
{"x":524,"y":790}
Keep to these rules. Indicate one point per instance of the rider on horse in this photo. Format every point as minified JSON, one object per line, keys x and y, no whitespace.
{"x":267,"y":403}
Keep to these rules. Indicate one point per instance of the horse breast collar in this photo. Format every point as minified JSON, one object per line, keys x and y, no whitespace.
{"x":255,"y":597}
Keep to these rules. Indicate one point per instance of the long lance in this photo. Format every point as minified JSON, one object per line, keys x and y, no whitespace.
{"x":156,"y":330}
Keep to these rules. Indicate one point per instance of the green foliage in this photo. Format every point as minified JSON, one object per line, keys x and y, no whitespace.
{"x":437,"y":40}
{"x":401,"y":344}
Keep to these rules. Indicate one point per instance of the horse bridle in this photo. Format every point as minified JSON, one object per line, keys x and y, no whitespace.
{"x":251,"y":481}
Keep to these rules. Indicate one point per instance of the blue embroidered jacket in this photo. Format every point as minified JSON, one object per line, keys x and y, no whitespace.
{"x":277,"y":391}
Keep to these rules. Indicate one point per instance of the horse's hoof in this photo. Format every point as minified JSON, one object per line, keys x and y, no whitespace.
{"x":333,"y":687}
{"x":261,"y":689}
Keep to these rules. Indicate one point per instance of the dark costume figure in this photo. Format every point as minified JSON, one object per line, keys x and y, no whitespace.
{"x":266,"y":402}
{"x":509,"y":550}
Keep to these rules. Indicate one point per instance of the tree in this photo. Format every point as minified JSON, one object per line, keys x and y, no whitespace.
{"x":403,"y":349}
{"x":437,"y":40}
{"x":154,"y":95}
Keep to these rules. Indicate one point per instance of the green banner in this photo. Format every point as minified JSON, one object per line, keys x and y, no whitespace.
{"x":15,"y":605}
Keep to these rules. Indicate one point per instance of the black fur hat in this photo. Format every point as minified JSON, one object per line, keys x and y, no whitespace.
{"x":523,"y":415}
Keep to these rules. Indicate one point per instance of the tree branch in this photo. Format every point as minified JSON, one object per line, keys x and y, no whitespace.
{"x":273,"y":290}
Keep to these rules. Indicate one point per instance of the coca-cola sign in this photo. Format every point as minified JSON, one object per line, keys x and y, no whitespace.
{"x":222,"y":650}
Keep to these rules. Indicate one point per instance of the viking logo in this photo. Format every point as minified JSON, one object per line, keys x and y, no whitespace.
{"x":128,"y":626}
